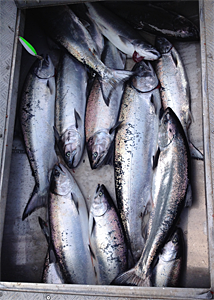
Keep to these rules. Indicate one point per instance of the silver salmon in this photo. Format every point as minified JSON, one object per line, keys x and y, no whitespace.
{"x":155,"y":20}
{"x":121,"y":34}
{"x":70,"y":109}
{"x":169,"y":188}
{"x":37,"y":121}
{"x":107,"y":239}
{"x":68,"y":217}
{"x":135,"y":148}
{"x":101,"y":117}
{"x":175,"y":91}
{"x":64,"y":27}
{"x":168,"y":270}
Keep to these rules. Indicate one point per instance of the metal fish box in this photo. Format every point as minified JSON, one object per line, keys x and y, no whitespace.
{"x":23,"y":246}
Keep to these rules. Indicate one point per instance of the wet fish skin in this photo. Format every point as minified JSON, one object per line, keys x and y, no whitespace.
{"x":70,"y":109}
{"x":135,"y":147}
{"x":170,"y":182}
{"x":168,"y":271}
{"x":156,"y":20}
{"x":125,"y":38}
{"x":81,"y":11}
{"x":65,"y":28}
{"x":68,"y":217}
{"x":37,"y":121}
{"x":107,"y":239}
{"x":175,"y":90}
{"x":101,"y":117}
{"x":51,"y":272}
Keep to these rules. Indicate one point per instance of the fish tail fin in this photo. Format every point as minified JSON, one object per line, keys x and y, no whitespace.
{"x":36,"y":201}
{"x":111,"y":82}
{"x":195,"y":153}
{"x":130,"y":278}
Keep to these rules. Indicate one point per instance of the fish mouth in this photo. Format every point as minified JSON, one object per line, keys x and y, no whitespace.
{"x":71,"y":163}
{"x":136,"y":57}
{"x":58,"y":170}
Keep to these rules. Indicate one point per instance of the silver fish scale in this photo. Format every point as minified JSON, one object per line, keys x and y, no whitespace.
{"x":37,"y":119}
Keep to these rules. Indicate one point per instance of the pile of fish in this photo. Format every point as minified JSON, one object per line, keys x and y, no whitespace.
{"x":137,"y":120}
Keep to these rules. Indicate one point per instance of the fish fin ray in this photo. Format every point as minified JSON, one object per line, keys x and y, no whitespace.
{"x":109,"y":84}
{"x":50,"y":86}
{"x":195,"y":153}
{"x":188,"y":198}
{"x":45,"y":229}
{"x":36,"y":201}
{"x":130,"y":278}
{"x":126,"y":41}
{"x":115,"y":126}
{"x":77,"y":119}
{"x":75,"y":202}
{"x":91,"y":251}
{"x":155,"y":158}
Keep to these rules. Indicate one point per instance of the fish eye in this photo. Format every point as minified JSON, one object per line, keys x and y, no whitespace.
{"x":68,"y":154}
{"x":56,"y":173}
{"x":100,"y":194}
{"x":95,"y":154}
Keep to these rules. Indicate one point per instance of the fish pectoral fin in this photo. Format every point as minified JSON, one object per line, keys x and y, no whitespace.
{"x":36,"y":201}
{"x":155,"y":104}
{"x":78,"y":120}
{"x":188,"y":199}
{"x":174,"y":58}
{"x":50,"y":86}
{"x":52,"y":256}
{"x":75,"y":202}
{"x":130,"y":278}
{"x":45,"y":229}
{"x":92,"y":224}
{"x":91,"y":251}
{"x":58,"y":140}
{"x":195,"y":153}
{"x":115,"y":126}
{"x":126,"y":41}
{"x":155,"y":159}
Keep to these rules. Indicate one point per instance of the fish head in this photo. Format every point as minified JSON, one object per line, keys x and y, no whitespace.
{"x":97,"y":147}
{"x":174,"y":248}
{"x":60,"y":180}
{"x":100,"y":202}
{"x":163,"y":45}
{"x":144,"y":51}
{"x":44,"y":68}
{"x":185,"y":28}
{"x":145,"y":78}
{"x":168,"y":128}
{"x":72,"y":147}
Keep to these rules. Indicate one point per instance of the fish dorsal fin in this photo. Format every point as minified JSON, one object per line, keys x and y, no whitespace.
{"x":91,"y":251}
{"x":50,"y":86}
{"x":115,"y":127}
{"x":75,"y":202}
{"x":174,"y":58}
{"x":155,"y":158}
{"x":77,"y":119}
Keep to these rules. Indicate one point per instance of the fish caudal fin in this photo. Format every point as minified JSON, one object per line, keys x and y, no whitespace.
{"x":194,"y":152}
{"x":110,"y":83}
{"x":130,"y":278}
{"x":36,"y":201}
